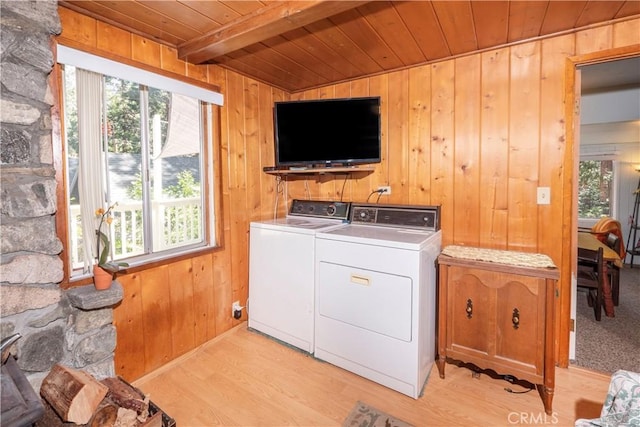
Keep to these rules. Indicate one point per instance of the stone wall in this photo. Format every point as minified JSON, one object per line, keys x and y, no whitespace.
{"x":73,"y":328}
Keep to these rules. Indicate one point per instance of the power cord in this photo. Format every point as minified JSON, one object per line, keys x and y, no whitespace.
{"x":343,"y":184}
{"x":512,"y":380}
{"x":279,"y":188}
{"x":374,"y":192}
{"x":517,"y":392}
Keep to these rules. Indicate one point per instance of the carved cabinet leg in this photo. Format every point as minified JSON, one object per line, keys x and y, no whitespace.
{"x":546,"y":394}
{"x":440,"y":364}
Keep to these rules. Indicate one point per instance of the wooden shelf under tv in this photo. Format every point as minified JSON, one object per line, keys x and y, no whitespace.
{"x":314,"y":171}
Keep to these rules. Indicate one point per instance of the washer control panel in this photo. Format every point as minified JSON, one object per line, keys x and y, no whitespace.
{"x":320,"y":209}
{"x":401,"y":216}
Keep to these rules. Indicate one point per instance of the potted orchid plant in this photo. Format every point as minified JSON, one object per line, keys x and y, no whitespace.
{"x":105,"y":270}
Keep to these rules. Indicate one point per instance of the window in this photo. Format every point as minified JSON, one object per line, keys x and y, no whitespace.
{"x":595,"y":189}
{"x":150,"y":159}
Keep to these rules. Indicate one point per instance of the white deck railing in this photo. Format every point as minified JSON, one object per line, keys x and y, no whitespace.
{"x":177,"y":222}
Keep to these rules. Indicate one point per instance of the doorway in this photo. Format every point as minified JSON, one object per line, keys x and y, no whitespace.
{"x":609,"y":118}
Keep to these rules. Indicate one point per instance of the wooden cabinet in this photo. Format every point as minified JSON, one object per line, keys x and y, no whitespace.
{"x":497,"y":315}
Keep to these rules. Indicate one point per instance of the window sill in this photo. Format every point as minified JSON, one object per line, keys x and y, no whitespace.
{"x":136,"y":266}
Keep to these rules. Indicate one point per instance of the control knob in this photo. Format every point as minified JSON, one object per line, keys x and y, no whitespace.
{"x":331,"y":210}
{"x":429,"y":220}
{"x":364,"y":215}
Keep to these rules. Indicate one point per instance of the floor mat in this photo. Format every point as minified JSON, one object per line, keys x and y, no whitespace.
{"x":363,"y":415}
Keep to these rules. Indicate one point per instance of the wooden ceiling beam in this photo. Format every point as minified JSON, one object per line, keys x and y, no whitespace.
{"x":269,"y":21}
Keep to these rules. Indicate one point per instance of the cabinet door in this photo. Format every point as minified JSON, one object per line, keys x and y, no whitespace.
{"x":469,"y":314}
{"x":496,"y":319}
{"x":520,"y":316}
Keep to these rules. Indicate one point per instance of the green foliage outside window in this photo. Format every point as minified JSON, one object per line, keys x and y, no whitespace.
{"x":595,"y":179}
{"x":186,"y":187}
{"x":179,"y":221}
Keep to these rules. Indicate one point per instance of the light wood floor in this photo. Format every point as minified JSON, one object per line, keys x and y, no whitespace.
{"x":243,"y":378}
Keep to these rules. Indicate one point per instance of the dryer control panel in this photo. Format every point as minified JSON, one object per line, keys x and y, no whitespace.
{"x":320,"y":209}
{"x":401,"y":216}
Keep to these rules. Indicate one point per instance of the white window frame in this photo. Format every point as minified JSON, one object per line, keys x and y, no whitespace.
{"x":104,"y":66}
{"x":98,"y":64}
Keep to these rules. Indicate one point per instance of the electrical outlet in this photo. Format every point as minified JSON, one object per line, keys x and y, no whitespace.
{"x":236,"y":310}
{"x":384,"y":190}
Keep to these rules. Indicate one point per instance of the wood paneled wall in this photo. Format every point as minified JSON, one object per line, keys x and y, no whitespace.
{"x":476,"y":134}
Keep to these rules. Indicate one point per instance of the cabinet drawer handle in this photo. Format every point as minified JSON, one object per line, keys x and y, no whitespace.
{"x":359,"y":280}
{"x":515,"y":318}
{"x":469,"y":309}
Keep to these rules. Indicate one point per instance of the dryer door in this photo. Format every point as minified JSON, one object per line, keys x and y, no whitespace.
{"x":372,"y":300}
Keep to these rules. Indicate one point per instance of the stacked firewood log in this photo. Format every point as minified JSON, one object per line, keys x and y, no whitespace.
{"x":73,"y":397}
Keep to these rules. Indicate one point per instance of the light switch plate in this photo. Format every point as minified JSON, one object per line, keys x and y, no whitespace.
{"x":544,"y":195}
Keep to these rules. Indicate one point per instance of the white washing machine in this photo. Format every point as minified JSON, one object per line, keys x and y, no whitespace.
{"x":376,"y":294}
{"x":282,"y":270}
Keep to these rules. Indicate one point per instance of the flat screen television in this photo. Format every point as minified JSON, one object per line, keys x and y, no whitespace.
{"x":327,"y":132}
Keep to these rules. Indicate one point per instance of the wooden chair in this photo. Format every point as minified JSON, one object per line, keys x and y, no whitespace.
{"x":615,"y":243}
{"x":604,"y":228}
{"x":590,"y":275}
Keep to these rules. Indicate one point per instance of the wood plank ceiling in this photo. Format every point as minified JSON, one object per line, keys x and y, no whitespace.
{"x":300,"y":45}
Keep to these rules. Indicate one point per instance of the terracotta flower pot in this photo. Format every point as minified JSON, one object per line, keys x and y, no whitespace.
{"x":101,"y":278}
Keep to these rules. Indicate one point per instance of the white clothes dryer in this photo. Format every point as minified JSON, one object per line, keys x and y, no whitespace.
{"x":376,"y":294}
{"x":282,"y":270}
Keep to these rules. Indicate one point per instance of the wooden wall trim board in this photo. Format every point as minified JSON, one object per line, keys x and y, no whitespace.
{"x":59,"y":159}
{"x":476,"y":134}
{"x":552,"y":159}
